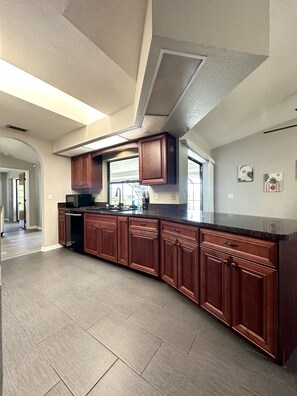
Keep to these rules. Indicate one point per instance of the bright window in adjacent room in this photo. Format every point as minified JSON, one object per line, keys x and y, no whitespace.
{"x":194,"y":184}
{"x":123,"y":176}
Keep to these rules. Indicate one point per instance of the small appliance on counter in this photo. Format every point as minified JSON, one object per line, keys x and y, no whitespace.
{"x":78,"y":200}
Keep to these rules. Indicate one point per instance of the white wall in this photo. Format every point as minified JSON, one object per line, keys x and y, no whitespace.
{"x":55,"y":180}
{"x":275,"y":152}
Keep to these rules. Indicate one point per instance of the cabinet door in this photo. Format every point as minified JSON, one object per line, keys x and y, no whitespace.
{"x":254,"y":303}
{"x":108,"y":244}
{"x":76,"y":172}
{"x":86,"y":172}
{"x":215,"y":283}
{"x":157,"y":162}
{"x":123,"y":240}
{"x":91,"y":238}
{"x":187,"y":267}
{"x":62,"y":228}
{"x":86,"y":163}
{"x":144,"y":251}
{"x":168,"y":264}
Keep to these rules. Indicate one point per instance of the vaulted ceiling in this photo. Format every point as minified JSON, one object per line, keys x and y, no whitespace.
{"x":149,"y":65}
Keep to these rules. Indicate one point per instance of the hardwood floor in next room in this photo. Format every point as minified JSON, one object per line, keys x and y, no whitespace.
{"x":75,"y":325}
{"x":16,"y":242}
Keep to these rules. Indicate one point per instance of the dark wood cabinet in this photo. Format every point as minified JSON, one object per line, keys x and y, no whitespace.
{"x":91,"y":239}
{"x":123,"y":242}
{"x":254,"y":306}
{"x":86,"y":172}
{"x":240,"y":292}
{"x":100,"y":236}
{"x":144,"y":245}
{"x":215,"y":283}
{"x":168,"y":264}
{"x":187,"y":278}
{"x":157,"y":160}
{"x":62,"y":227}
{"x":179,"y":257}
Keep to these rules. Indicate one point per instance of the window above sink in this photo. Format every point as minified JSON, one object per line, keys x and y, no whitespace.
{"x":123,"y":182}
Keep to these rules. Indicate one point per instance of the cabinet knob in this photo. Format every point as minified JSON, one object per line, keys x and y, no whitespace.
{"x":177,"y":244}
{"x":233,"y":265}
{"x":177,"y":230}
{"x":231,"y":244}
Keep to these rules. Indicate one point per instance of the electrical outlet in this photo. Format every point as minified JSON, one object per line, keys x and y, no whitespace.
{"x":173,"y":196}
{"x":230,"y":196}
{"x":156,"y":196}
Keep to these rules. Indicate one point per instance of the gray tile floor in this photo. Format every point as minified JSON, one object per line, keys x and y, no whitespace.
{"x":75,"y":325}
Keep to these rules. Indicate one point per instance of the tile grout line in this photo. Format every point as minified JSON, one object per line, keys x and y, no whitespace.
{"x":102,"y":376}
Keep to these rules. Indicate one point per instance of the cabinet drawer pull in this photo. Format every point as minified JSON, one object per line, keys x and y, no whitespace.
{"x":177,"y":230}
{"x":231,"y":244}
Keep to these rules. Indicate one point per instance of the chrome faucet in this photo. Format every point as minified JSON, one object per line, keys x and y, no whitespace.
{"x":119,"y":194}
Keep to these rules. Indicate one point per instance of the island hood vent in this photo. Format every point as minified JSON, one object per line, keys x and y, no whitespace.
{"x":174,"y":73}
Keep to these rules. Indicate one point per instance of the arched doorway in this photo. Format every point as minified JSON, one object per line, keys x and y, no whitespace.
{"x":20,"y":198}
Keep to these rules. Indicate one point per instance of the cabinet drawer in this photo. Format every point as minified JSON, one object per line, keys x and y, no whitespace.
{"x":144,"y":224}
{"x":101,"y":220}
{"x":264,"y":252}
{"x":180,"y":231}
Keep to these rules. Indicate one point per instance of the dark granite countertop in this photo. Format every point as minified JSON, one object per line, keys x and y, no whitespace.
{"x":257,"y":226}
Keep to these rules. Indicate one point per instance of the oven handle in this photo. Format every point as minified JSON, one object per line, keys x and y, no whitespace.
{"x":73,"y":214}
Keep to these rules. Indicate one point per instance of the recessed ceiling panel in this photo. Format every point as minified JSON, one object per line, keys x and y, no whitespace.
{"x":173,"y":77}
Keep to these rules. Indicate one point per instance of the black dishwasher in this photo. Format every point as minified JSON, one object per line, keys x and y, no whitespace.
{"x":75,"y":231}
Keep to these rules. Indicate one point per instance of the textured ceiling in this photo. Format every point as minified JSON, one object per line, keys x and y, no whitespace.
{"x":105,"y":53}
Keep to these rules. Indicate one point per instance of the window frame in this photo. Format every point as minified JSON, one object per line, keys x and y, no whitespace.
{"x":201,"y":180}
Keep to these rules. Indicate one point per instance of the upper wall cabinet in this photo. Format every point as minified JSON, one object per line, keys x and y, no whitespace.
{"x":86,"y":172}
{"x":157,"y":160}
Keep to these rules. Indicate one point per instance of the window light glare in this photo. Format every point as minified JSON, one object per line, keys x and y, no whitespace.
{"x":110,"y":141}
{"x":23,"y":85}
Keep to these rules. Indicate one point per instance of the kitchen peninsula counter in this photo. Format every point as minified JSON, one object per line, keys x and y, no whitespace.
{"x":241,"y":269}
{"x":255,"y":226}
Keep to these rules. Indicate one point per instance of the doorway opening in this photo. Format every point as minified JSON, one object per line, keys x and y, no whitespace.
{"x":20,"y":199}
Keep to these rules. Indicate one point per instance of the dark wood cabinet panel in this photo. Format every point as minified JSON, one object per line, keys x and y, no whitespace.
{"x":91,"y":238}
{"x":144,"y":245}
{"x":254,"y":249}
{"x":144,"y":252}
{"x":62,"y":228}
{"x":179,"y":257}
{"x":254,"y":306}
{"x":108,"y":243}
{"x":168,"y":264}
{"x":187,"y":278}
{"x":86,"y":172}
{"x":157,"y":160}
{"x":100,"y":236}
{"x":215,"y":296}
{"x":123,"y":243}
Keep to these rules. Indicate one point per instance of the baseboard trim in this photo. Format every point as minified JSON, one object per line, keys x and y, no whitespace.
{"x":51,"y":247}
{"x":34,"y":227}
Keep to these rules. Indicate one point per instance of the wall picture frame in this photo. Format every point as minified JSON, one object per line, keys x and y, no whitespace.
{"x":245,"y":173}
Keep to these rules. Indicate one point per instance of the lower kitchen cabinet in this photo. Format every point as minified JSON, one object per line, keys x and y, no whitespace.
{"x":100,"y":236}
{"x":144,"y":245}
{"x":123,"y":242}
{"x":62,"y":227}
{"x":240,"y":292}
{"x":179,"y":258}
{"x":215,"y":283}
{"x":254,"y":306}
